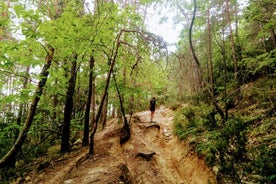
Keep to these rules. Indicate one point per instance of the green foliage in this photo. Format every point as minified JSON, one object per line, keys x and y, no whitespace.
{"x":242,"y":148}
{"x":188,"y":121}
{"x":260,"y":65}
{"x":220,"y":146}
{"x":4,"y":20}
{"x":69,"y":28}
{"x":7,"y":136}
{"x":142,"y":72}
{"x":229,"y":146}
{"x":264,"y":163}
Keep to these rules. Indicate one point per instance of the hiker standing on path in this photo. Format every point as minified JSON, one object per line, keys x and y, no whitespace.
{"x":152,"y":108}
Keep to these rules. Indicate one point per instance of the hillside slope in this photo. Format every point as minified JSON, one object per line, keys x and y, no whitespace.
{"x":152,"y":155}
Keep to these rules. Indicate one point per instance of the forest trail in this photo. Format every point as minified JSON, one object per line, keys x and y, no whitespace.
{"x":153,"y":155}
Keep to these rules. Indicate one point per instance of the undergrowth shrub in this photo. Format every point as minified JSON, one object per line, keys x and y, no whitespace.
{"x":188,"y":121}
{"x":264,"y":163}
{"x":221,"y":146}
{"x":7,"y":136}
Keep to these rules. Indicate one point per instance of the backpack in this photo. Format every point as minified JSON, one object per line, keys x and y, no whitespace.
{"x":152,"y":104}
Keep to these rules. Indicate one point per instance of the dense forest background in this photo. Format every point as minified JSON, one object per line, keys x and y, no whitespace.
{"x":67,"y":66}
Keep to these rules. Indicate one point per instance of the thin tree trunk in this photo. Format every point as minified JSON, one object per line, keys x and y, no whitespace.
{"x":233,"y":45}
{"x":190,"y":36}
{"x":95,"y":123}
{"x":119,"y":115}
{"x":85,"y":140}
{"x":68,"y":108}
{"x":273,"y":35}
{"x":210,"y":61}
{"x":55,"y":104}
{"x":21,"y":106}
{"x":55,"y":124}
{"x":113,"y":111}
{"x":103,"y":117}
{"x":197,"y":67}
{"x":97,"y":118}
{"x":224,"y":114}
{"x":9,"y":159}
{"x":125,"y":132}
{"x":93,"y":100}
{"x":224,"y":82}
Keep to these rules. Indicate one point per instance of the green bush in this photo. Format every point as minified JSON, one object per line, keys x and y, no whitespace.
{"x":222,"y":146}
{"x":187,"y":122}
{"x":264,"y":163}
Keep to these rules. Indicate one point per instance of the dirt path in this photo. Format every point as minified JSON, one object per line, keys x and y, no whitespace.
{"x":153,"y":155}
{"x":172,"y":163}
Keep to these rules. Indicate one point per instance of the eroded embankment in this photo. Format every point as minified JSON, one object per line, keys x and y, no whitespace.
{"x":152,"y":155}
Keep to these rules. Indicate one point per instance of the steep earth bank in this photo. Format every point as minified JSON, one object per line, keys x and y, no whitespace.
{"x":153,"y":155}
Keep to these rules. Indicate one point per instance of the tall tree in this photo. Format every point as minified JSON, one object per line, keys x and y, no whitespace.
{"x":85,"y":140}
{"x":232,"y":42}
{"x":65,"y":141}
{"x":21,"y":105}
{"x":103,"y":98}
{"x":210,"y":54}
{"x":125,"y":131}
{"x":197,"y":67}
{"x":10,"y":158}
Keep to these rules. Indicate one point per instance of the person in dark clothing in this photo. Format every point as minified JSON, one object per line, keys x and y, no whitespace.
{"x":152,"y":108}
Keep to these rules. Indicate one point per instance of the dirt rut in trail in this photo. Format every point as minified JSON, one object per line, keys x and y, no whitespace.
{"x":153,"y":155}
{"x":168,"y":161}
{"x":172,"y":163}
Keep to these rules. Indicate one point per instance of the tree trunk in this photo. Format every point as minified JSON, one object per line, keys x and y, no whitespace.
{"x":125,"y":132}
{"x":198,"y":79}
{"x":21,"y":106}
{"x":92,"y":119}
{"x":85,"y":140}
{"x":273,"y":35}
{"x":55,"y":104}
{"x":95,"y":123}
{"x":103,"y":117}
{"x":9,"y":159}
{"x":223,"y":53}
{"x":233,"y":45}
{"x":68,"y":108}
{"x":210,"y":61}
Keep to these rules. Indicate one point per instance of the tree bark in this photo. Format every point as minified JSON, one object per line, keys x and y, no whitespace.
{"x":68,"y":108}
{"x":197,"y":67}
{"x":92,"y":119}
{"x":224,"y":114}
{"x":125,"y":132}
{"x":210,"y":61}
{"x":96,"y":122}
{"x":97,"y":118}
{"x":9,"y":159}
{"x":103,"y":117}
{"x":273,"y":35}
{"x":21,"y":105}
{"x":85,"y":140}
{"x":233,"y":45}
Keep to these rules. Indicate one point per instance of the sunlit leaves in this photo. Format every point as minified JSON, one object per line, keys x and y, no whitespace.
{"x":69,"y":29}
